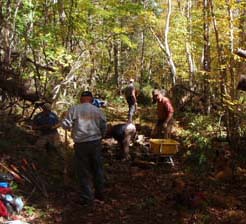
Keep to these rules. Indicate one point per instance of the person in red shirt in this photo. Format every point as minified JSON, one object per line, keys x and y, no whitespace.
{"x":164,"y":114}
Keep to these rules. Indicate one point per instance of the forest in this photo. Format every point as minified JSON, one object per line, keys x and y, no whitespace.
{"x":195,"y":50}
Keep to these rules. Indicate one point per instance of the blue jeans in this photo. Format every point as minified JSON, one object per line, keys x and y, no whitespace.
{"x":131,"y":111}
{"x":89,"y":168}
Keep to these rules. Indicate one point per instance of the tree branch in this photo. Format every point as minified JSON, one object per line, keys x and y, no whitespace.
{"x":240,"y":52}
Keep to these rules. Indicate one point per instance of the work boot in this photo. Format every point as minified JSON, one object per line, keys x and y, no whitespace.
{"x":99,"y":196}
{"x":83,"y":202}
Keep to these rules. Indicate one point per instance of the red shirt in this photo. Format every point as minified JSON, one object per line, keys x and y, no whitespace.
{"x":164,"y":108}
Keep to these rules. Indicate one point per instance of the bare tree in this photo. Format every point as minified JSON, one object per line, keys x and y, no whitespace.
{"x":165,"y":46}
{"x":206,"y":53}
{"x":188,"y":45}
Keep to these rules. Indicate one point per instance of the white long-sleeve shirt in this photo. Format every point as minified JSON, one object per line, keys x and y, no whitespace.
{"x":88,"y":123}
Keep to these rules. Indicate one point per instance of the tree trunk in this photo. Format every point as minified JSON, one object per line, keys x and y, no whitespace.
{"x":165,"y":47}
{"x":189,"y":47}
{"x":168,"y":52}
{"x":142,"y":57}
{"x":221,"y":58}
{"x":234,"y":132}
{"x":116,"y":48}
{"x":206,"y":54}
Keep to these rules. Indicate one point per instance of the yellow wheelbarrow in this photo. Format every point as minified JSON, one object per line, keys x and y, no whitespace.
{"x":164,"y":148}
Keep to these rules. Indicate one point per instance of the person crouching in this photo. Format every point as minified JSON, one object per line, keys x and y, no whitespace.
{"x":123,"y":134}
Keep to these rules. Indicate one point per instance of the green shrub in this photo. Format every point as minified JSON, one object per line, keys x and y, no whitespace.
{"x":145,"y":95}
{"x":196,"y":138}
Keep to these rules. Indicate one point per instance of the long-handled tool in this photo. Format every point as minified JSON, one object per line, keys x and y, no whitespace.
{"x":34,"y":176}
{"x":21,"y":174}
{"x":65,"y":169}
{"x":41,"y":182}
{"x":16,"y":176}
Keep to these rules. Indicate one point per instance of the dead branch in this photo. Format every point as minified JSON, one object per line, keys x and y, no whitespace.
{"x":15,"y":175}
{"x":45,"y":67}
{"x":240,"y":52}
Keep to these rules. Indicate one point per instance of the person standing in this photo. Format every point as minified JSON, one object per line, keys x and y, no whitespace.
{"x":46,"y":123}
{"x":88,"y":124}
{"x":165,"y":112}
{"x":130,"y":95}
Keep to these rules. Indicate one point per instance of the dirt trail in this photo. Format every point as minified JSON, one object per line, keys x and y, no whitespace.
{"x":136,"y":195}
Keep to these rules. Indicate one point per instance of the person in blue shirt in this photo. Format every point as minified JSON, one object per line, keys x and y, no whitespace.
{"x":99,"y":103}
{"x":46,"y":123}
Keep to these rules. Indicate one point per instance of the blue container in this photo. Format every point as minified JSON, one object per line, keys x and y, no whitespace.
{"x":4,"y":184}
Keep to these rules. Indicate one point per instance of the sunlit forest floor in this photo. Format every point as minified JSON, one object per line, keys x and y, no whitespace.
{"x":151,"y":193}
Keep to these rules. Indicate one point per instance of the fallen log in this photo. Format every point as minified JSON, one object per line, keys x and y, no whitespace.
{"x":22,"y":90}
